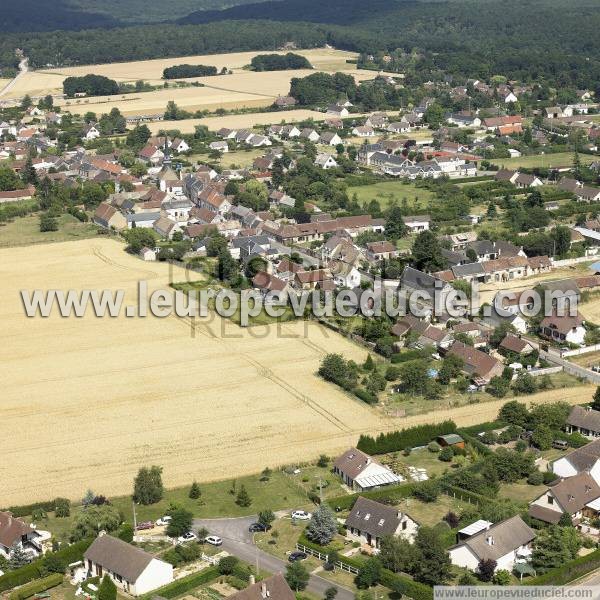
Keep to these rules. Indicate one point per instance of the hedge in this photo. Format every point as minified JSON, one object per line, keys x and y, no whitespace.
{"x":27,"y":509}
{"x":34,"y":570}
{"x":420,"y":435}
{"x":35,"y":587}
{"x":395,"y":493}
{"x":472,"y":496}
{"x":184,"y":585}
{"x":410,"y":587}
{"x":570,"y":571}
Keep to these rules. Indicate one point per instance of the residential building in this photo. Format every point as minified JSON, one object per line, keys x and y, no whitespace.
{"x":271,"y":588}
{"x":15,"y":532}
{"x":360,"y":472}
{"x":584,"y":459}
{"x":369,"y":522}
{"x":585,"y":421}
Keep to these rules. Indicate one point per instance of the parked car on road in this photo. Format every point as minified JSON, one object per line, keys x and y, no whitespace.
{"x":145,"y":525}
{"x":164,"y":521}
{"x":257,"y":528}
{"x":214,"y":540}
{"x":301,"y":515}
{"x":186,"y":537}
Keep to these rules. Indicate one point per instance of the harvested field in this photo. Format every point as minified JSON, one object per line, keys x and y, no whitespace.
{"x":239,"y":121}
{"x":86,"y":401}
{"x":559,"y":159}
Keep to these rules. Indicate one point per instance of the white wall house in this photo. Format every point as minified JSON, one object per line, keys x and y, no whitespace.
{"x":369,"y":522}
{"x":360,"y":472}
{"x":586,"y":458}
{"x":505,"y":542}
{"x":132,"y":569}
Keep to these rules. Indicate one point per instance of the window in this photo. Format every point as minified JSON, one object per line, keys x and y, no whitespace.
{"x":404,"y":525}
{"x":550,"y":499}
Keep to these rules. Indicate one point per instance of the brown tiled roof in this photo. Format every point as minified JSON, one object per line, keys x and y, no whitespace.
{"x":573,"y":493}
{"x":266,"y":281}
{"x":272,"y":588}
{"x":353,"y":462}
{"x":513,"y":343}
{"x":12,"y":529}
{"x":562,"y":324}
{"x":586,"y":418}
{"x":312,"y":276}
{"x":538,"y":262}
{"x":544,"y":514}
{"x":373,"y":517}
{"x":104,"y":211}
{"x":480,"y":362}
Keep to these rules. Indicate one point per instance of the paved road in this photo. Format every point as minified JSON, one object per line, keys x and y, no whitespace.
{"x":237,"y":540}
{"x":23,"y":68}
{"x":571,"y":367}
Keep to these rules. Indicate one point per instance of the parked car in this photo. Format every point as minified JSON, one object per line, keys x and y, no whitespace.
{"x":257,"y":528}
{"x":560,"y":444}
{"x":186,"y":537}
{"x":301,"y":515}
{"x":164,"y":521}
{"x":145,"y":525}
{"x":297,"y":555}
{"x":214,"y":540}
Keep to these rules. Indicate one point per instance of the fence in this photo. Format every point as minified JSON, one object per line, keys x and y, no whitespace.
{"x":567,"y":262}
{"x":584,"y":350}
{"x":324,"y":557}
{"x":546,"y":371}
{"x":211,"y":560}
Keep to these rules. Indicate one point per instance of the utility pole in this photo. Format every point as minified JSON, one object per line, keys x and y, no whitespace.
{"x":134,"y":517}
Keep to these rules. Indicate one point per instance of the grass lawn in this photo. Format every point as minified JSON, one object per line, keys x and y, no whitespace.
{"x":417,"y":199}
{"x":280,"y":492}
{"x":586,"y":360}
{"x":421,"y":459}
{"x":24,"y":231}
{"x":521,"y":492}
{"x":432,"y":513}
{"x":241,"y":158}
{"x":560,"y":159}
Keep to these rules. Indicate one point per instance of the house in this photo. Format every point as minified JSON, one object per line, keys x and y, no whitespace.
{"x":584,"y":459}
{"x":369,"y":522}
{"x":271,"y":588}
{"x":285,"y":101}
{"x":361,"y":472}
{"x":14,"y":531}
{"x":109,"y":217}
{"x":266,"y":282}
{"x":310,"y":280}
{"x":90,"y":132}
{"x":505,"y":543}
{"x":569,"y":496}
{"x":221,"y":146}
{"x":165,"y":227}
{"x":476,"y":363}
{"x":564,"y":329}
{"x":416,"y":224}
{"x":381,"y":250}
{"x":517,"y":345}
{"x":584,"y":420}
{"x":17,"y":195}
{"x":132,"y":569}
{"x":151,"y":155}
{"x":325,"y":161}
{"x":345,"y":275}
{"x":147,"y":254}
{"x":310,"y":134}
{"x":337,"y":110}
{"x":363,"y":131}
{"x":330,"y":138}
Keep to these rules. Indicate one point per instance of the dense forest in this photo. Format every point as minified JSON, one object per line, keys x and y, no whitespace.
{"x":533,"y":40}
{"x":90,"y":85}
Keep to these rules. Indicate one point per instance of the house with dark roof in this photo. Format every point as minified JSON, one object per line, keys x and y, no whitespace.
{"x":15,"y":532}
{"x":132,"y":569}
{"x":505,"y":542}
{"x":361,"y":472}
{"x":369,"y":522}
{"x":577,"y":496}
{"x":271,"y":588}
{"x":476,"y":363}
{"x":516,"y":344}
{"x":584,"y":420}
{"x":563,"y":329}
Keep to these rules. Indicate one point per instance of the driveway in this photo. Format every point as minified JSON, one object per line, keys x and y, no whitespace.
{"x":237,"y":540}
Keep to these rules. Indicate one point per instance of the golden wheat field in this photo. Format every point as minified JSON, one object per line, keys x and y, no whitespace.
{"x":86,"y":401}
{"x":239,"y":121}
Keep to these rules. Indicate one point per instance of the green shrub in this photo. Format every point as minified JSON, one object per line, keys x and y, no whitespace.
{"x":393,"y":493}
{"x":184,"y":585}
{"x":568,"y":571}
{"x":35,"y":587}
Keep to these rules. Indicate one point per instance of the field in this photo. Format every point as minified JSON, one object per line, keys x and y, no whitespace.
{"x":560,"y":159}
{"x":384,"y":192}
{"x":24,"y":231}
{"x":591,"y":310}
{"x":87,"y":401}
{"x":240,"y":121}
{"x":241,"y":89}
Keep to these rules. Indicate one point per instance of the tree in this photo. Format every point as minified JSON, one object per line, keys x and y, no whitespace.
{"x":17,"y":556}
{"x":427,"y":253}
{"x":195,"y":491}
{"x":542,"y":437}
{"x":227,"y":267}
{"x":138,"y":238}
{"x":498,"y":387}
{"x":266,"y":518}
{"x":228,"y":564}
{"x":501,"y":577}
{"x":180,"y":523}
{"x":369,"y":574}
{"x":395,"y":228}
{"x":335,"y":368}
{"x":297,"y":576}
{"x":596,"y":399}
{"x":138,"y":136}
{"x":446,"y":454}
{"x":126,"y":532}
{"x":561,"y":235}
{"x":555,"y":546}
{"x":330,"y":593}
{"x":486,"y":569}
{"x":89,"y":522}
{"x":514,"y":413}
{"x":427,"y":491}
{"x":323,"y":525}
{"x":243,"y":498}
{"x":396,"y":554}
{"x":107,"y":589}
{"x":432,"y":562}
{"x":54,"y":564}
{"x":62,"y":507}
{"x":524,"y":384}
{"x":147,"y":485}
{"x":9,"y":180}
{"x":48,"y":222}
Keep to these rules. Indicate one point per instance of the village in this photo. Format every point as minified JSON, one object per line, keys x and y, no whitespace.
{"x":481,"y":185}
